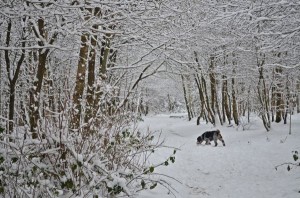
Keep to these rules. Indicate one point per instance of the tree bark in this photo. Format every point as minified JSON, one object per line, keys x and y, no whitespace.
{"x":278,"y":96}
{"x":12,"y":78}
{"x":212,"y":79}
{"x":80,"y":82}
{"x":91,"y":79}
{"x":234,"y":103}
{"x":298,"y":97}
{"x":38,"y":82}
{"x":213,"y":86}
{"x":263,"y":98}
{"x":201,"y":84}
{"x":225,"y":100}
{"x":186,"y":98}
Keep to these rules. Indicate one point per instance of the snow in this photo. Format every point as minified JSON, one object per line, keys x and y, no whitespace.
{"x":245,"y":167}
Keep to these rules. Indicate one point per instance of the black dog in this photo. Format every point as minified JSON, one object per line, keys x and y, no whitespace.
{"x":209,"y":136}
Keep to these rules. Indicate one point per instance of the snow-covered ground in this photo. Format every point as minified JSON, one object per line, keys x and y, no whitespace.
{"x":244,"y":168}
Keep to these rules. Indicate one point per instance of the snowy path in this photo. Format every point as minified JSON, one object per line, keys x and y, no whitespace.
{"x":244,"y":168}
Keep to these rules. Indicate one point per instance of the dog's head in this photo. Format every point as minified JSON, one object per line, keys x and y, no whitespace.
{"x":220,"y":136}
{"x":199,"y":140}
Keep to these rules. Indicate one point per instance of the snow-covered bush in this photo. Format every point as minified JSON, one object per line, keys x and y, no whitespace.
{"x":109,"y":161}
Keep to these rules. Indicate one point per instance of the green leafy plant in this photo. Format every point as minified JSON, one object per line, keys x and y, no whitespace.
{"x":1,"y":129}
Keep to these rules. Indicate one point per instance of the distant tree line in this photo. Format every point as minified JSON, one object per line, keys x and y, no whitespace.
{"x":242,"y":58}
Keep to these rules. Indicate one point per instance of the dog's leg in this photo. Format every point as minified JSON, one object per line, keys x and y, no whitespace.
{"x":215,"y":140}
{"x":207,"y":141}
{"x":223,"y":142}
{"x":221,"y":139}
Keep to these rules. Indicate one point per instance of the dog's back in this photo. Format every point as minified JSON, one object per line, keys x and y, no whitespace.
{"x":209,"y":135}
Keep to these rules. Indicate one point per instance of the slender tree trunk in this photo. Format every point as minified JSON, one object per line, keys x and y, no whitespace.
{"x":235,"y":114}
{"x":279,"y":97}
{"x":80,"y":82}
{"x":263,"y":98}
{"x":91,"y":80}
{"x":212,"y":79}
{"x":104,"y":59}
{"x":11,"y":85}
{"x":248,"y":104}
{"x":38,"y":82}
{"x":201,"y":84}
{"x":211,"y":115}
{"x":298,"y":96}
{"x":105,"y":49}
{"x":200,"y":91}
{"x":225,"y":100}
{"x":12,"y":77}
{"x":279,"y":106}
{"x":288,"y":105}
{"x":213,"y":89}
{"x":35,"y":93}
{"x":186,"y":98}
{"x":234,"y":104}
{"x":273,"y":104}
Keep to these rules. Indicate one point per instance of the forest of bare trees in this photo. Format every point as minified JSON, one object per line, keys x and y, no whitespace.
{"x":243,"y":59}
{"x":73,"y":79}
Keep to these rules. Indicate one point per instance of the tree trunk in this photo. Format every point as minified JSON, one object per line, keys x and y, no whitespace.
{"x":104,"y":57}
{"x":12,"y":77}
{"x":38,"y":82}
{"x":201,"y":84}
{"x":186,"y":98}
{"x":234,"y":103}
{"x":200,"y":91}
{"x":225,"y":100}
{"x":235,"y":114}
{"x":298,"y":97}
{"x":80,"y":82}
{"x":212,"y":84}
{"x":288,"y":106}
{"x":91,"y":80}
{"x":213,"y":89}
{"x":278,"y":96}
{"x":263,"y":98}
{"x":204,"y":102}
{"x":35,"y":94}
{"x":211,"y":115}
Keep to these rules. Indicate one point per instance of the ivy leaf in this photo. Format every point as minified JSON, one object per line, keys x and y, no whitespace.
{"x":172,"y":159}
{"x":143,"y":184}
{"x":151,"y":169}
{"x":295,"y":156}
{"x":166,"y":163}
{"x":153,"y":186}
{"x":1,"y":159}
{"x":14,"y":159}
